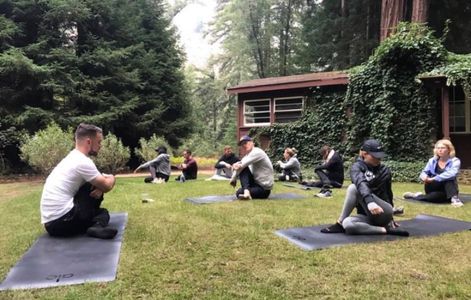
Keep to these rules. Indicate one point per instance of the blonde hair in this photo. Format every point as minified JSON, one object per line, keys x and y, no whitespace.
{"x":448,"y":144}
{"x":291,"y":151}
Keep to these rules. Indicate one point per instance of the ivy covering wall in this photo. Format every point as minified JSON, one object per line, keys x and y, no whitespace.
{"x":384,"y":100}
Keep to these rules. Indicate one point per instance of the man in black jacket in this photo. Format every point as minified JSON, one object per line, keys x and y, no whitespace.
{"x":371,"y":193}
{"x":330,"y":172}
{"x":224,"y":165}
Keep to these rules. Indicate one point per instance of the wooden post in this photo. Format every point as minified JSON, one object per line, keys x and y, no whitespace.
{"x":445,"y":111}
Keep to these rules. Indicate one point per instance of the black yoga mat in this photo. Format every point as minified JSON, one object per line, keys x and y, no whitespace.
{"x":310,"y":238}
{"x":53,"y":261}
{"x":300,"y":186}
{"x":465,"y":198}
{"x":228,"y":198}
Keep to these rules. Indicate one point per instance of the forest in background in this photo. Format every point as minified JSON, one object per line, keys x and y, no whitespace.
{"x":117,"y":63}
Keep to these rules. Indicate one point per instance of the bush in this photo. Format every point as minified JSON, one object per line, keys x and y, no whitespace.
{"x":146,"y":151}
{"x":113,"y":155}
{"x":401,"y":171}
{"x":46,"y":148}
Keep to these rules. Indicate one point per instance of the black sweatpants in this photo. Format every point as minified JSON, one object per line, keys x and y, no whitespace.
{"x":439,"y":191}
{"x":85,"y":213}
{"x":247,"y":182}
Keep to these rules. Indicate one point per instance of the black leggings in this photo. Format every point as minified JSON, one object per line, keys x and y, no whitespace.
{"x":439,"y":191}
{"x":247,"y":182}
{"x":85,"y":213}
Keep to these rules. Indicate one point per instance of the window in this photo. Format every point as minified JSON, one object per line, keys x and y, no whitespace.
{"x":288,"y":109}
{"x":257,"y":112}
{"x":460,"y":111}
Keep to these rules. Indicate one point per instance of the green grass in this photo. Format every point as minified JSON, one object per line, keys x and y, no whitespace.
{"x":176,"y":250}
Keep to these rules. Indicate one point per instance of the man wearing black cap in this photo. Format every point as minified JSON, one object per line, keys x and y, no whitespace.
{"x":255,"y":172}
{"x":371,"y":193}
{"x":159,"y":167}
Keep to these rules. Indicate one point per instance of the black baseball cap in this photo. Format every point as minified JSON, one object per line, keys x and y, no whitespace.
{"x":245,"y":138}
{"x":374,"y":148}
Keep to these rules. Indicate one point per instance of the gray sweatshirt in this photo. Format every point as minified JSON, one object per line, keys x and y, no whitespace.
{"x":292,"y":165}
{"x":260,"y":166}
{"x":161,"y":163}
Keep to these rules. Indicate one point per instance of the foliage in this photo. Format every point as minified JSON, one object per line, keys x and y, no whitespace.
{"x":112,"y":63}
{"x":387,"y":103}
{"x":337,"y":34}
{"x":113,"y":155}
{"x":147,"y":152}
{"x":405,"y":171}
{"x":457,"y":71}
{"x":323,"y":123}
{"x":45,"y":149}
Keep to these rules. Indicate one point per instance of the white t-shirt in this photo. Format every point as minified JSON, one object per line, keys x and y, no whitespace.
{"x":63,"y":183}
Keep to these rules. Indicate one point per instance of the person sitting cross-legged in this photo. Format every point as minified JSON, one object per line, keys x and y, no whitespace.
{"x":440,"y":176}
{"x":371,"y":194}
{"x":290,"y":167}
{"x":330,"y":172}
{"x":159,"y":167}
{"x":73,"y":193}
{"x":189,"y":167}
{"x":255,"y":172}
{"x":224,"y":165}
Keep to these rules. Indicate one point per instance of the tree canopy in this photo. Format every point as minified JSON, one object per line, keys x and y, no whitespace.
{"x":114,"y":63}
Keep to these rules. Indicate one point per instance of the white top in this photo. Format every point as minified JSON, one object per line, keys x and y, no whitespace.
{"x":63,"y":183}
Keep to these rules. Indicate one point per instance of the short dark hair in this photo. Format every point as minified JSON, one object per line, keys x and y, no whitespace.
{"x":87,"y":130}
{"x":187,"y":151}
{"x":161,"y":149}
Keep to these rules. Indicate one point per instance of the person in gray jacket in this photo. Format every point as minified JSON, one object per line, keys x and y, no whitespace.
{"x":290,"y":168}
{"x":255,"y":172}
{"x":159,"y":167}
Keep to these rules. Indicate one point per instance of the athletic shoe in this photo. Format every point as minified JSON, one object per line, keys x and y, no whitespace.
{"x":398,"y":210}
{"x":456,"y":202}
{"x":325,"y":194}
{"x":396,"y":231}
{"x":410,"y":195}
{"x":101,"y":232}
{"x":336,"y":228}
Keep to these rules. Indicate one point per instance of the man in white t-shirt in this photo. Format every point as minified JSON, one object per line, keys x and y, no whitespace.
{"x":73,"y":192}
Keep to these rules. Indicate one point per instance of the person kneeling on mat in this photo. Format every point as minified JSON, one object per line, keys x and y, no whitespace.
{"x":371,"y":194}
{"x":73,"y":192}
{"x":159,"y":167}
{"x":255,"y":172}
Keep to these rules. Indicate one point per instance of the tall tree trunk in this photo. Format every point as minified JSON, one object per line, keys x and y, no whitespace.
{"x":392,"y":12}
{"x":420,"y":11}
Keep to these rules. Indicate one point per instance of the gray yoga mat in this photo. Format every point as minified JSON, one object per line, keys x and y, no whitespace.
{"x":311,"y":238}
{"x":465,"y":198}
{"x":53,"y":261}
{"x":229,"y":198}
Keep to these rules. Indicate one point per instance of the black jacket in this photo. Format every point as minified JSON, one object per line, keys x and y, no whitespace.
{"x":371,"y":180}
{"x":334,"y":167}
{"x":231,"y":159}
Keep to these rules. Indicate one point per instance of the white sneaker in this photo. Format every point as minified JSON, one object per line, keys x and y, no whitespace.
{"x":157,"y":180}
{"x":326,"y":194}
{"x":456,"y":202}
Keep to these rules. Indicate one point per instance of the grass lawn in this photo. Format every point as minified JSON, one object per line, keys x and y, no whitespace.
{"x":176,"y":250}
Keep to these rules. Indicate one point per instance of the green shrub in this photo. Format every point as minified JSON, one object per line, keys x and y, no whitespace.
{"x":146,"y":151}
{"x":113,"y":155}
{"x":46,"y":148}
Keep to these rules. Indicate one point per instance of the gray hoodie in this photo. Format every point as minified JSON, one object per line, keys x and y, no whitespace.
{"x":260,"y":166}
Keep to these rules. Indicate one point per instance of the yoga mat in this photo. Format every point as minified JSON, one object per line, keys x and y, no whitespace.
{"x":228,"y":198}
{"x":310,"y":238}
{"x":465,"y":198}
{"x":53,"y":261}
{"x":300,"y":186}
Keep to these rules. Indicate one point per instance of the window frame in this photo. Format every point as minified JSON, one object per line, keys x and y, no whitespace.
{"x":467,"y":112}
{"x":257,"y":124}
{"x":288,"y":110}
